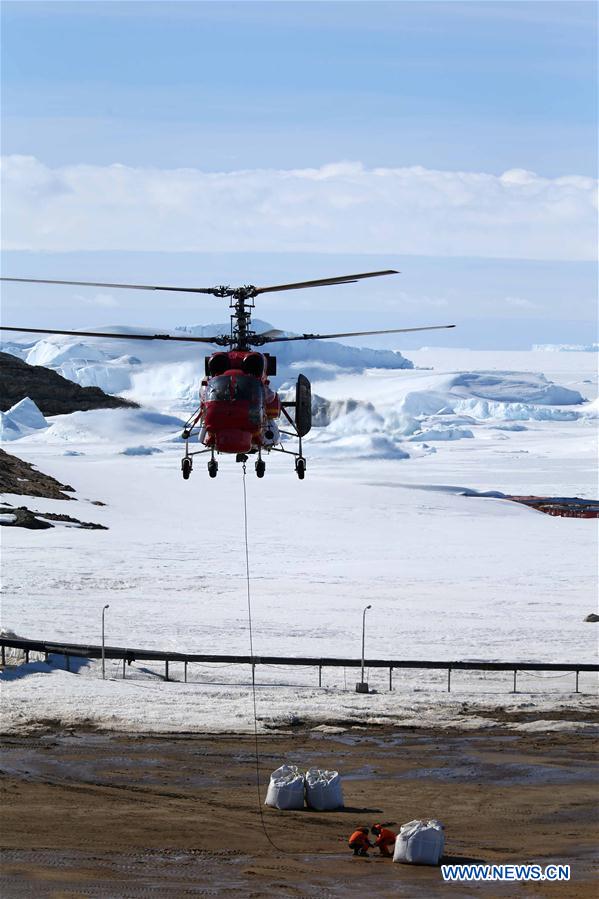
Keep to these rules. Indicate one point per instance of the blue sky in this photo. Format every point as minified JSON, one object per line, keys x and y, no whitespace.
{"x":249,"y":88}
{"x":481,"y":85}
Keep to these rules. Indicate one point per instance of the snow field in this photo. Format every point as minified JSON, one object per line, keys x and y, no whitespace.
{"x":448,"y":576}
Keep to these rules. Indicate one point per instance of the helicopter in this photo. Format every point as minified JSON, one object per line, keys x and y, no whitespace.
{"x":238,"y":412}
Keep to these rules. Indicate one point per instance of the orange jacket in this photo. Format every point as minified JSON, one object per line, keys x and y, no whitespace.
{"x":360,"y":838}
{"x":385,"y":838}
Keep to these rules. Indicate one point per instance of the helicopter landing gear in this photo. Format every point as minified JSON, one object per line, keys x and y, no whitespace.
{"x":300,"y":468}
{"x":186,"y":466}
{"x":260,"y":468}
{"x":213,"y":468}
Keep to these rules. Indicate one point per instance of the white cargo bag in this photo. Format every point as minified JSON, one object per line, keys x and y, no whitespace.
{"x":323,"y":790}
{"x":286,"y":788}
{"x":420,"y":843}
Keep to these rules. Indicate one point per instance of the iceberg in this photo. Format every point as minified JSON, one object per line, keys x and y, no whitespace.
{"x":20,"y":420}
{"x":512,"y":387}
{"x":9,"y":430}
{"x":566,"y":347}
{"x":169,"y":374}
{"x":54,"y":353}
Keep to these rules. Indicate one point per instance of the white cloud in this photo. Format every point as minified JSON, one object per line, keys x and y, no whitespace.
{"x":521,"y":303}
{"x":105,"y":300}
{"x":338,"y":208}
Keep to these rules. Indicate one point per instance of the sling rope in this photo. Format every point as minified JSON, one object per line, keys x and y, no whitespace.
{"x":254,"y":703}
{"x":249,"y":614}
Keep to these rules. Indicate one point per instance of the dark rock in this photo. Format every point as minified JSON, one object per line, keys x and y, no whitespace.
{"x":60,"y":516}
{"x":17,"y":476}
{"x":26,"y":518}
{"x":592,"y":617}
{"x":51,"y":393}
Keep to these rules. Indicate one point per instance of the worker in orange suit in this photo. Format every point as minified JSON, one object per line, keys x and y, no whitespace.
{"x":385,"y":840}
{"x":359,"y":841}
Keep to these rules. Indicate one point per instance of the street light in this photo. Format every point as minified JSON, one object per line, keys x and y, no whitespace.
{"x":103,"y":653}
{"x":362,"y":686}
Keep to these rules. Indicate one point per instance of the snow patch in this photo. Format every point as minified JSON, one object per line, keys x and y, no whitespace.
{"x":110,"y":426}
{"x":357,"y":446}
{"x":438,"y":432}
{"x":591,"y":410}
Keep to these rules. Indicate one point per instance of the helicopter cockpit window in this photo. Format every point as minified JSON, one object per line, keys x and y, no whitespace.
{"x":247,"y":388}
{"x":219,"y":389}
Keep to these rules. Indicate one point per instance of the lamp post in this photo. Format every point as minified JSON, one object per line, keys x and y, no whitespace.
{"x":362,"y":686}
{"x":103,"y":652}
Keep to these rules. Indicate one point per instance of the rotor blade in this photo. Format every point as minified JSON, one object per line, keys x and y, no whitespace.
{"x":321,"y":282}
{"x":125,"y":286}
{"x":356,"y":333}
{"x":214,"y":339}
{"x":271,"y":334}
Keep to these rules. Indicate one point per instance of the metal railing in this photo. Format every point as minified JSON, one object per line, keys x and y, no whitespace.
{"x":129,"y":654}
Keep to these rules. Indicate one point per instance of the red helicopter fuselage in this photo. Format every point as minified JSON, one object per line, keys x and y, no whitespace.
{"x":238,"y":409}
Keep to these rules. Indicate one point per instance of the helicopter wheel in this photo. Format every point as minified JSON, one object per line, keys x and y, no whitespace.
{"x":300,"y":468}
{"x":186,"y":466}
{"x":212,"y":468}
{"x":260,"y":468}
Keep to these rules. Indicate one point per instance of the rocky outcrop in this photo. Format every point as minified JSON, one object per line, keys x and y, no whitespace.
{"x":562,"y":506}
{"x":51,"y":393}
{"x":17,"y":476}
{"x":22,"y":517}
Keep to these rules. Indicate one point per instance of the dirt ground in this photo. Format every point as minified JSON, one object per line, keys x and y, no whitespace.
{"x":87,"y":814}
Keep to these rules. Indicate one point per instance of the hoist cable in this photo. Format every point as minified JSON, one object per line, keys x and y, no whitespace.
{"x":249,"y":613}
